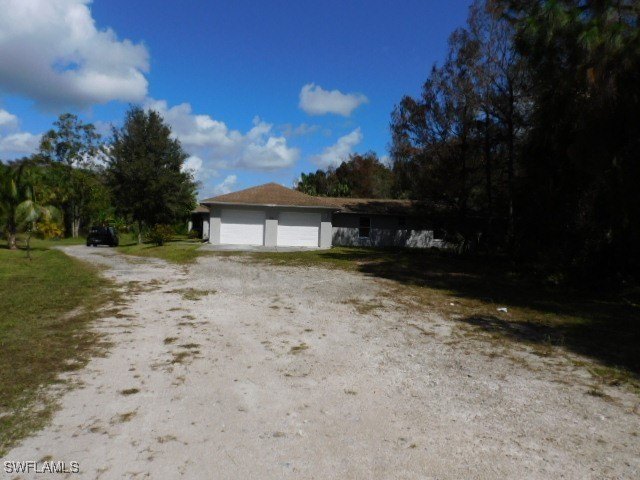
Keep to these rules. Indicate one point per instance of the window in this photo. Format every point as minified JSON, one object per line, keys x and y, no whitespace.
{"x":438,"y":234}
{"x":364,"y":230}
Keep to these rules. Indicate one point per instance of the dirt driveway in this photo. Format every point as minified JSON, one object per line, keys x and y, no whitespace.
{"x":232,"y":370}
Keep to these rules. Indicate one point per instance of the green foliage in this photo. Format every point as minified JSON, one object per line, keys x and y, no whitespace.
{"x":531,"y":125}
{"x":70,"y":151}
{"x":145,"y":171}
{"x":50,"y":229}
{"x":580,"y":162}
{"x":160,"y":234}
{"x":361,"y":176}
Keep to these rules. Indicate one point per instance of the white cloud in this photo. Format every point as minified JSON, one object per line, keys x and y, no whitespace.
{"x":19,"y":143}
{"x":315,"y":100}
{"x":192,"y":164}
{"x":8,"y":120}
{"x":52,"y":52}
{"x":226,"y":186}
{"x":220,"y":147}
{"x":335,"y":154}
{"x":13,"y":142}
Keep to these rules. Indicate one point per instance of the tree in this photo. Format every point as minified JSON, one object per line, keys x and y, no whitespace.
{"x":580,"y":160}
{"x":72,"y":145}
{"x":363,"y":176}
{"x":366,"y":176}
{"x":18,"y":203}
{"x":145,"y":171}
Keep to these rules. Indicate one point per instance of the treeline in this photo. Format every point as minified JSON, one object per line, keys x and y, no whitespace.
{"x":532,"y":123}
{"x":77,"y":179}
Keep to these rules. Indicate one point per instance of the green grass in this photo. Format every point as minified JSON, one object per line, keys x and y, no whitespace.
{"x":46,"y":304}
{"x":181,"y":250}
{"x":469,"y":290}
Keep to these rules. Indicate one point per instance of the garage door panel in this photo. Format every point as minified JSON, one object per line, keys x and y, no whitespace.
{"x":242,"y":227}
{"x":298,"y":229}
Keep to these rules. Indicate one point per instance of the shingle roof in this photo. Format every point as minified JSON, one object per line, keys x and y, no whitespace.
{"x":274,"y":194}
{"x":270,"y":194}
{"x":200,"y":209}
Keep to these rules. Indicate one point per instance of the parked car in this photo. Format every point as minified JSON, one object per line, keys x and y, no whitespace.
{"x":103,"y":236}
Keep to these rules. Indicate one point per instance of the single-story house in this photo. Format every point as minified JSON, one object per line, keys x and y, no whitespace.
{"x":272,"y":215}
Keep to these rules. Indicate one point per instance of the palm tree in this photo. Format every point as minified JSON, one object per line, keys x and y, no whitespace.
{"x":19,"y":209}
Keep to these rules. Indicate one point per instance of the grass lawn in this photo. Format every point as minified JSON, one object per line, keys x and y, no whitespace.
{"x":470,"y":291}
{"x":180,"y":250}
{"x":46,"y":304}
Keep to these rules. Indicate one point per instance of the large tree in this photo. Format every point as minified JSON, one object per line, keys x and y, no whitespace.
{"x":580,"y":163}
{"x":145,"y":171}
{"x":70,"y":147}
{"x":362,"y":175}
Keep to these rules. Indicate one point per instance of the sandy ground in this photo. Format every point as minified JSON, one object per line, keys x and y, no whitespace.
{"x":271,"y":372}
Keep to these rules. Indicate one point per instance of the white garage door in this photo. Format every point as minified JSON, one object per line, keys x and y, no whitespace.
{"x":298,"y":229}
{"x":242,"y":227}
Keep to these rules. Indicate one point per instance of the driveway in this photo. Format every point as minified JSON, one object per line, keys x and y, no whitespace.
{"x":231,"y":370}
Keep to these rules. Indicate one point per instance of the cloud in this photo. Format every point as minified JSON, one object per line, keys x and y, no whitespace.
{"x":220,"y":147}
{"x":192,"y":164}
{"x":8,"y":120}
{"x":52,"y":52}
{"x":335,"y":154}
{"x":315,"y":100}
{"x":226,"y":186}
{"x":13,"y":142}
{"x":288,"y":130}
{"x":19,"y":143}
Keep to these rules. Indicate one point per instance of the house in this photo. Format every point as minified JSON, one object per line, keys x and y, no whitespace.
{"x":272,"y":215}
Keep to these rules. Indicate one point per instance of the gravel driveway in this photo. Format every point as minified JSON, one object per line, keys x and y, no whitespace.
{"x":231,"y":370}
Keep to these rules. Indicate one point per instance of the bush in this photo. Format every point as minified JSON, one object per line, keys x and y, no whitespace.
{"x":49,"y":230}
{"x":194,"y":234}
{"x":160,"y":234}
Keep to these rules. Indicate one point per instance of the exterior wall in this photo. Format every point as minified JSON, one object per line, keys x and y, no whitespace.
{"x":205,"y":227}
{"x":386,"y":231}
{"x":214,"y":226}
{"x":326,"y":230}
{"x":271,"y":232}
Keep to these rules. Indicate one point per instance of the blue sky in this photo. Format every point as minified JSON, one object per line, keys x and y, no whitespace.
{"x":256,"y":91}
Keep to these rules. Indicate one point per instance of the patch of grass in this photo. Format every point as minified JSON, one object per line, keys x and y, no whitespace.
{"x":129,"y":391}
{"x":125,"y":417}
{"x":192,"y":293}
{"x":182,"y":356}
{"x":181,"y":251}
{"x":170,"y":340}
{"x":364,"y":307}
{"x":47,"y":304}
{"x":298,"y":348}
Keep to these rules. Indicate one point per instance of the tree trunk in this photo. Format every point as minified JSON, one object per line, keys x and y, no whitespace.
{"x":511,"y":169}
{"x":139,"y":233}
{"x":11,"y":238}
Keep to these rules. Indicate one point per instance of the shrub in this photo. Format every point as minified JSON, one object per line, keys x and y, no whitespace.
{"x":49,"y":229}
{"x":194,"y":234}
{"x":160,"y":234}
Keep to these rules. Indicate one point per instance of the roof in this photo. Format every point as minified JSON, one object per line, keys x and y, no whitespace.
{"x":273,"y":194}
{"x":200,"y":209}
{"x":380,"y":206}
{"x":270,"y":194}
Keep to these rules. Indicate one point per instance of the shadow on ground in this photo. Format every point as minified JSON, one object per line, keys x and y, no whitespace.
{"x":606,"y":328}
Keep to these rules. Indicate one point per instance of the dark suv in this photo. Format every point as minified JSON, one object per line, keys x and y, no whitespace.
{"x":102,"y":236}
